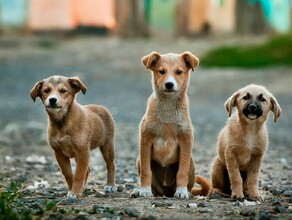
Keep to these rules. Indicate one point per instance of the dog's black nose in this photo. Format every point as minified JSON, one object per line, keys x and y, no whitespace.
{"x":169,"y":85}
{"x":252,"y":107}
{"x":53,"y":101}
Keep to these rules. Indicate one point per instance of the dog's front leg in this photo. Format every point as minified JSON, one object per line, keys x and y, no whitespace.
{"x":234,"y":175}
{"x":146,"y":141}
{"x":185,"y":149}
{"x":82,"y":166}
{"x":252,"y":178}
{"x":65,"y":166}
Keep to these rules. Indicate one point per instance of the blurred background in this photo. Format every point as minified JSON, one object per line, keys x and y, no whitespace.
{"x":130,"y":18}
{"x":102,"y":41}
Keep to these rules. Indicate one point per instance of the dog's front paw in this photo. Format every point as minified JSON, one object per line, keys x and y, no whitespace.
{"x":145,"y":191}
{"x":109,"y":189}
{"x":237,"y":195}
{"x":72,"y":196}
{"x":181,"y":192}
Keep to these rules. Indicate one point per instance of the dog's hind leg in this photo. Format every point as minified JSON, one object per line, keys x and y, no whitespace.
{"x":218,"y":177}
{"x":108,"y":153}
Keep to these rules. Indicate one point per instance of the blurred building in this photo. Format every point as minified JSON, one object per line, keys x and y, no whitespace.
{"x":141,"y":17}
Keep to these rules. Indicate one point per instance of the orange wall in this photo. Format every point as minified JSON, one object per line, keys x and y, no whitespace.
{"x":67,"y":14}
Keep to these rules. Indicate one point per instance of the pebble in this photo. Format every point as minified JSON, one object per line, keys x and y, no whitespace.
{"x":162,"y":203}
{"x":264,"y":215}
{"x":247,"y":212}
{"x":193,"y":205}
{"x":290,"y":209}
{"x":131,"y":212}
{"x":120,"y":188}
{"x":276,"y":201}
{"x":276,"y":192}
{"x":216,"y":196}
{"x":280,"y":209}
{"x":287,"y":193}
{"x":36,"y":159}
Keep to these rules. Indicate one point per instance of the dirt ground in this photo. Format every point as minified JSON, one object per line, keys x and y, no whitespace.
{"x":112,"y":71}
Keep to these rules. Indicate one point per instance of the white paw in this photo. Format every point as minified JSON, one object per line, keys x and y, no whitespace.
{"x":71,"y":196}
{"x":109,"y":189}
{"x":145,"y":192}
{"x":181,"y":192}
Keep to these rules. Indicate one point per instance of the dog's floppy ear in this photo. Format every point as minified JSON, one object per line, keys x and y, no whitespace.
{"x":275,"y":107}
{"x":190,"y":59}
{"x":231,"y":102}
{"x":36,"y":90}
{"x":76,"y":83}
{"x":150,"y":60}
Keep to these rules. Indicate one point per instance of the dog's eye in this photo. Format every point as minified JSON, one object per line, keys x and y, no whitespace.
{"x":178,"y":72}
{"x":47,"y":90}
{"x":62,"y":91}
{"x":162,"y":72}
{"x":246,"y":97}
{"x":262,"y":99}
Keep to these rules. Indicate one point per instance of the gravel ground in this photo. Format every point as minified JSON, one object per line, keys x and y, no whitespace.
{"x":115,"y":77}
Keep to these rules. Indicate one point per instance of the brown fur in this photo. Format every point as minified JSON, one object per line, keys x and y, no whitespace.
{"x":243,"y":142}
{"x":74,"y":130}
{"x":165,"y":164}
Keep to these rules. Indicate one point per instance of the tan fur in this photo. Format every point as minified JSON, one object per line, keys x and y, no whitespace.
{"x":242,"y":143}
{"x":165,"y":162}
{"x":74,"y":130}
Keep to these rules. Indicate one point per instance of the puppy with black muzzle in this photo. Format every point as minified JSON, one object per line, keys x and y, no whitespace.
{"x":243,"y":142}
{"x":74,"y":130}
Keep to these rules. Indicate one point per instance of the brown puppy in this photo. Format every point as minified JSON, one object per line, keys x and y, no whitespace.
{"x":243,"y":142}
{"x":165,"y":162}
{"x":74,"y":130}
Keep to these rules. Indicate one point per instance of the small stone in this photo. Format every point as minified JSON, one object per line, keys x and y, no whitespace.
{"x":201,"y":204}
{"x":162,"y":203}
{"x":276,"y":192}
{"x":129,"y":180}
{"x":280,"y":209}
{"x":193,"y":205}
{"x":264,"y":215}
{"x":205,"y":210}
{"x":120,"y":188}
{"x":290,"y":209}
{"x":216,"y":196}
{"x":144,"y":216}
{"x":287,"y":193}
{"x":238,"y":203}
{"x":276,"y":201}
{"x":247,"y":212}
{"x":131,"y":212}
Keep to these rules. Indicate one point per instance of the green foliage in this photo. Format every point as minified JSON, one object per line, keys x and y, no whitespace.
{"x":14,"y":206}
{"x":7,"y":199}
{"x":277,"y":51}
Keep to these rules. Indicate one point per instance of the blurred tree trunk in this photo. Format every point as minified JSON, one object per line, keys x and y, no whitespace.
{"x":182,"y":18}
{"x":249,"y":18}
{"x":130,"y":18}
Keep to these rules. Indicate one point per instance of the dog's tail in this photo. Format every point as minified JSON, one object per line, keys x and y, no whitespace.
{"x":205,"y":189}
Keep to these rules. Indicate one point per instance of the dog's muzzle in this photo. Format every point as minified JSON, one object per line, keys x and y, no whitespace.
{"x":53,"y":103}
{"x":253,"y":111}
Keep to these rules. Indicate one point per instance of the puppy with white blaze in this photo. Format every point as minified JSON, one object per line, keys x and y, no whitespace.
{"x":165,"y":163}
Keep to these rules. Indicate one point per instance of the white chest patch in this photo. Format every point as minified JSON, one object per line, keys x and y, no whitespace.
{"x":166,"y":151}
